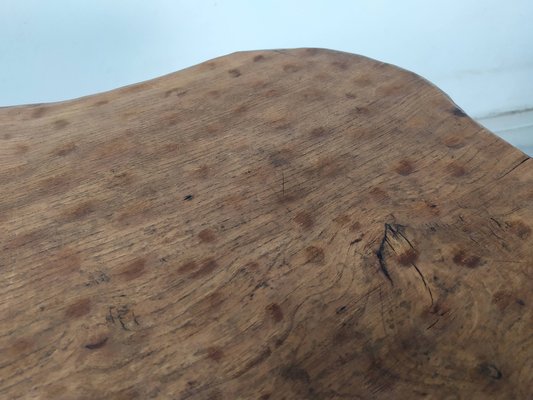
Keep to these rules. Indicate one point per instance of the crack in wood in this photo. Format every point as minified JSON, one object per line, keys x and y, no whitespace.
{"x":380,"y":254}
{"x":396,"y":231}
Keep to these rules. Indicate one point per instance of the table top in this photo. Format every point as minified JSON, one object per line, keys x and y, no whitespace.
{"x":284,"y":224}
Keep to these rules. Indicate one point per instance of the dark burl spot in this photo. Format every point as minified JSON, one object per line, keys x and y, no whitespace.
{"x":21,"y":149}
{"x":490,"y":371}
{"x":314,"y":255}
{"x":281,"y":124}
{"x":380,"y":378}
{"x":97,"y":344}
{"x":305,"y":220}
{"x":24,"y":239}
{"x":313,"y":94}
{"x":389,"y":90}
{"x":347,"y":332}
{"x":202,"y":172}
{"x":125,"y":394}
{"x":259,"y":57}
{"x":320,"y":132}
{"x":408,"y":257}
{"x":61,"y":123}
{"x":39,"y":112}
{"x":327,"y":168}
{"x":235,"y":73}
{"x":64,"y":149}
{"x":379,"y":194}
{"x":214,"y":128}
{"x":355,"y":227}
{"x":215,"y":394}
{"x":169,"y":148}
{"x":458,"y":112}
{"x":520,"y":229}
{"x":55,"y":184}
{"x":406,"y":305}
{"x":206,"y":268}
{"x":172,"y":119}
{"x":360,"y":111}
{"x":215,"y":353}
{"x":291,"y":68}
{"x":275,"y":312}
{"x":405,"y":167}
{"x":363,"y":81}
{"x":120,"y":179}
{"x":207,"y":236}
{"x":176,"y":91}
{"x":21,"y":345}
{"x":134,"y":269}
{"x":212,"y":302}
{"x":187,"y":267}
{"x":470,"y":261}
{"x":67,"y":261}
{"x":295,"y":373}
{"x":265,"y":396}
{"x":350,"y":96}
{"x":342,"y":219}
{"x":342,"y":65}
{"x":252,"y":265}
{"x":456,"y":170}
{"x":78,"y":309}
{"x":272,"y":93}
{"x":280,"y":157}
{"x":81,"y":210}
{"x":240,"y":109}
{"x":504,"y":299}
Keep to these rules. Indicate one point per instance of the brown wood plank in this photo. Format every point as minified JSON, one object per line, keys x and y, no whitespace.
{"x":294,"y":224}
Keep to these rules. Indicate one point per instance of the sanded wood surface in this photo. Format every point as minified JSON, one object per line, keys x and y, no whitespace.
{"x":295,"y":224}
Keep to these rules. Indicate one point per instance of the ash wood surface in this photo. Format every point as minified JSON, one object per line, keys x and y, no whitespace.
{"x":298,"y":224}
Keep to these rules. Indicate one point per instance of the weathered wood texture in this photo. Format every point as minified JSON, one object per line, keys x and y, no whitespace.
{"x":301,"y":224}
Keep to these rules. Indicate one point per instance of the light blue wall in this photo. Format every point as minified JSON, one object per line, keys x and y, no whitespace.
{"x":480,"y":52}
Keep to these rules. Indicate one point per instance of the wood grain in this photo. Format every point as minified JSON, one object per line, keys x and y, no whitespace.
{"x":292,"y":224}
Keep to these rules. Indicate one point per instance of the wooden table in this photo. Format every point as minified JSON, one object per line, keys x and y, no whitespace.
{"x":290,"y":224}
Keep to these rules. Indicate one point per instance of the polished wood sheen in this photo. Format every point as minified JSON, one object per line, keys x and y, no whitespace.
{"x":293,"y":224}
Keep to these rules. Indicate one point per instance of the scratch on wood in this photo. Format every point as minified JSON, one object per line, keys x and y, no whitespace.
{"x":515,"y":167}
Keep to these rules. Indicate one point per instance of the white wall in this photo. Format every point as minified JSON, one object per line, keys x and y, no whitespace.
{"x":480,"y":52}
